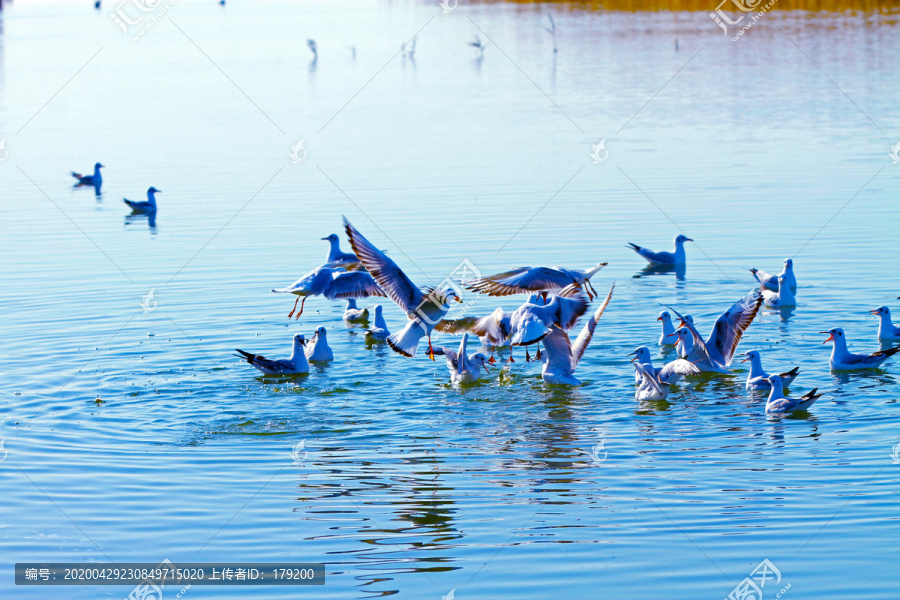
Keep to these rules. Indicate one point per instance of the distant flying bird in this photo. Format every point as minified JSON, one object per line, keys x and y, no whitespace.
{"x":524,"y":280}
{"x":334,"y":284}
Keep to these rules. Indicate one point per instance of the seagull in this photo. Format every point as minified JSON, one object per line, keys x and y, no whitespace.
{"x":532,"y":321}
{"x":843,"y":360}
{"x":380,"y":332}
{"x":286,"y":366}
{"x":757,"y":379}
{"x":669,"y":373}
{"x":144,"y":207}
{"x":886,"y":330}
{"x":770,"y":282}
{"x":95,"y":180}
{"x":777,"y":403}
{"x":353,"y":314}
{"x":652,"y":386}
{"x":668,"y":337}
{"x":318,"y":349}
{"x":715,"y":354}
{"x":562,"y":355}
{"x":782,"y":298}
{"x":665,"y":258}
{"x":334,"y":284}
{"x":523,"y":280}
{"x":337,"y":258}
{"x":425,"y":310}
{"x":679,"y":345}
{"x":464,"y":368}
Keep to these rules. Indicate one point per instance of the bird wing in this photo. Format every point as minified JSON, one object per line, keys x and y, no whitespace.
{"x":587,"y":332}
{"x":678,"y":366}
{"x":648,"y":254}
{"x":728,"y":328}
{"x":885,"y":353}
{"x":559,"y":349}
{"x":648,"y":375}
{"x":493,"y":328}
{"x":521,"y":280}
{"x":392,"y":280}
{"x":457,"y":325}
{"x":563,"y":310}
{"x":262,"y":362}
{"x":298,"y":285}
{"x":699,"y":344}
{"x":354,"y":284}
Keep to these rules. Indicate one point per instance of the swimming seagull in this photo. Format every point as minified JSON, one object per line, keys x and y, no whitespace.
{"x":425,"y":310}
{"x":843,"y":360}
{"x":715,"y":354}
{"x":353,"y":314}
{"x":758,"y":379}
{"x":380,"y":331}
{"x":664,"y":258}
{"x":770,"y":282}
{"x":334,"y":284}
{"x":144,"y":207}
{"x":287,"y":366}
{"x":886,"y":330}
{"x":95,"y":180}
{"x":523,"y":280}
{"x":669,"y":373}
{"x":464,"y":368}
{"x":337,"y":258}
{"x":562,"y":355}
{"x":667,"y":337}
{"x":782,"y":298}
{"x":533,"y":321}
{"x":777,"y":403}
{"x":318,"y":349}
{"x":652,"y":386}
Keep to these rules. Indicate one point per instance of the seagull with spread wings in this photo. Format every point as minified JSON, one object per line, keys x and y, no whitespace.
{"x":715,"y":354}
{"x":425,"y":309}
{"x":653,"y":384}
{"x":334,"y":284}
{"x":523,"y":280}
{"x":464,"y":368}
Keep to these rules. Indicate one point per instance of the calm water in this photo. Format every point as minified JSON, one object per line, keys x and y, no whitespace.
{"x":773,"y":146}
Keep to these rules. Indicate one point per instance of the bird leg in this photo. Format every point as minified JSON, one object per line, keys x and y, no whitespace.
{"x":291,"y":314}
{"x":301,"y":307}
{"x":537,"y":355}
{"x":492,"y":360}
{"x":527,"y":356}
{"x":430,"y":348}
{"x":510,"y":359}
{"x":544,"y":296}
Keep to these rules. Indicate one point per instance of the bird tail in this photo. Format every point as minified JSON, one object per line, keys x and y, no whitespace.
{"x":406,"y":341}
{"x":245,"y":355}
{"x":76,"y":175}
{"x":634,"y":247}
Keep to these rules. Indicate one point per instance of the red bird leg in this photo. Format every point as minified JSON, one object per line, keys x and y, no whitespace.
{"x":527,"y":356}
{"x":291,"y":314}
{"x":430,"y":348}
{"x":301,"y":307}
{"x":510,"y":359}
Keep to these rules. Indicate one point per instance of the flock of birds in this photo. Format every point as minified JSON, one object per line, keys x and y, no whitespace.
{"x":558,"y":298}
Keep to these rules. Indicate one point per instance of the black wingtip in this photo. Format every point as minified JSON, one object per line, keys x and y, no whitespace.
{"x":634,"y":246}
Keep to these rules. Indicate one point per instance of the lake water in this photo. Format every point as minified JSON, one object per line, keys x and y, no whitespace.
{"x":772,"y":146}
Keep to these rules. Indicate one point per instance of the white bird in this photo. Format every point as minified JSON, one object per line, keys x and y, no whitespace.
{"x":523,"y":280}
{"x":95,"y":180}
{"x":782,"y":298}
{"x":296,"y":364}
{"x":337,"y":257}
{"x":844,"y":360}
{"x":777,"y":403}
{"x":424,"y":310}
{"x":886,"y":330}
{"x":464,"y":368}
{"x":652,"y":386}
{"x":758,"y":379}
{"x":353,"y":314}
{"x":667,"y":337}
{"x":380,"y":331}
{"x":334,"y":284}
{"x":677,"y":257}
{"x":532,"y":321}
{"x":669,"y":373}
{"x":318,"y":349}
{"x":770,"y":282}
{"x":561,"y":355}
{"x":715,"y":354}
{"x":144,"y":207}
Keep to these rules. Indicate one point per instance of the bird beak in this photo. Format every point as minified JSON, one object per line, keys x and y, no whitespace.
{"x":303,"y":342}
{"x":745,"y":360}
{"x":689,"y":240}
{"x":830,"y":337}
{"x":659,"y":318}
{"x":873,"y":312}
{"x":633,"y":359}
{"x":324,"y":238}
{"x":485,"y":367}
{"x":683,"y":323}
